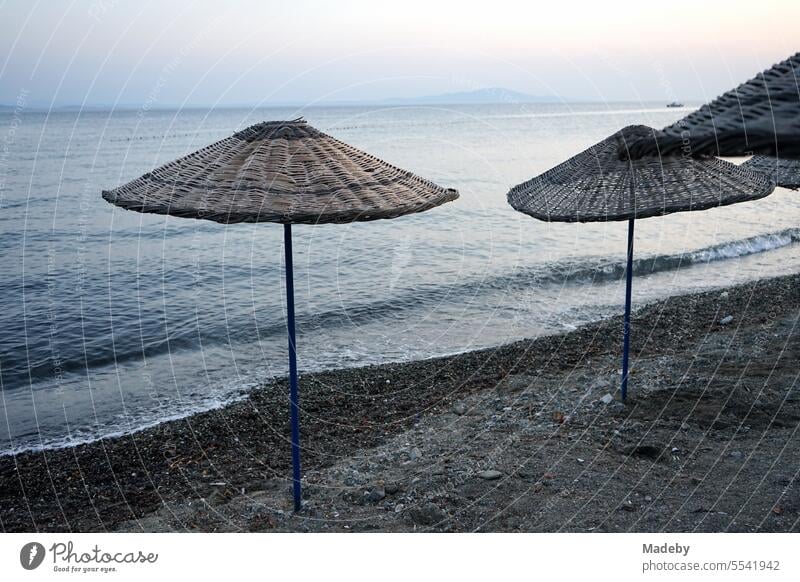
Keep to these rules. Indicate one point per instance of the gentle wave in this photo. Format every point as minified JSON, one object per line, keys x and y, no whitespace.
{"x":580,"y":272}
{"x":185,"y":334}
{"x":143,"y":423}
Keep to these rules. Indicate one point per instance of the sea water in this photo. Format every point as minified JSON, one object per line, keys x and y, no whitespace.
{"x":112,"y":321}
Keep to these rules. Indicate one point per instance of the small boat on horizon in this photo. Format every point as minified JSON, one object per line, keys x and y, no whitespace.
{"x":675,"y":104}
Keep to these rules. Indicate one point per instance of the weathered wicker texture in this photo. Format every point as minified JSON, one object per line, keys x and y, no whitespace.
{"x":761,"y":116}
{"x":280,"y":171}
{"x":785,"y":173}
{"x":596,"y":184}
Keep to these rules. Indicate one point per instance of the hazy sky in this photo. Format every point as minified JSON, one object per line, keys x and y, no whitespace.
{"x":232,"y":52}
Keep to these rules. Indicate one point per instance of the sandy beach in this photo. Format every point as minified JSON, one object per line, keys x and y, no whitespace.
{"x":524,"y":437}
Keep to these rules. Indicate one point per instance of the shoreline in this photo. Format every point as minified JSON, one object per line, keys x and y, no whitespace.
{"x":605,"y":271}
{"x":236,"y":458}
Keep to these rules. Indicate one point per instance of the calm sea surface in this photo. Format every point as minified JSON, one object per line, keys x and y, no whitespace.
{"x":112,"y":320}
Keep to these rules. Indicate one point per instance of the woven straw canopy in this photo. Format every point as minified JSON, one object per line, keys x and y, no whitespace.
{"x":596,"y":185}
{"x":785,"y":173}
{"x":761,"y":116}
{"x":280,"y":171}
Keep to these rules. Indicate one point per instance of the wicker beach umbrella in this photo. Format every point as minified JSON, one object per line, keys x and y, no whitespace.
{"x":761,"y":116}
{"x":596,"y":185}
{"x":785,"y":173}
{"x":285,"y":172}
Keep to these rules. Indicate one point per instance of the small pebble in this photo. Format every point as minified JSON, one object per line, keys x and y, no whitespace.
{"x":490,"y":474}
{"x":726,"y":320}
{"x":376,"y":494}
{"x":427,"y":514}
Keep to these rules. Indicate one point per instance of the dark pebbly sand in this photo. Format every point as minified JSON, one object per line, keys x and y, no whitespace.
{"x":525,"y":437}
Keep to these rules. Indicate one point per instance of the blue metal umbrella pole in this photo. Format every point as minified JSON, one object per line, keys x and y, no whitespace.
{"x":626,"y":330}
{"x":293,"y":399}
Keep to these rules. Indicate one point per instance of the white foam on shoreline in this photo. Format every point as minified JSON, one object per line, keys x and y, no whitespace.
{"x":69,"y":442}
